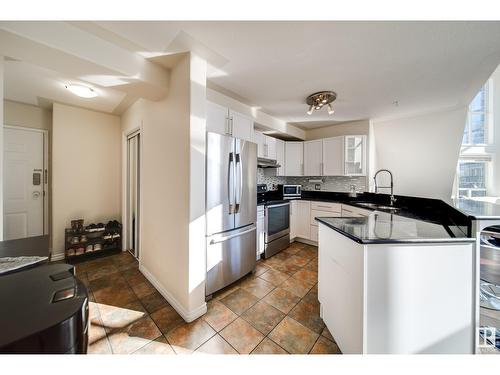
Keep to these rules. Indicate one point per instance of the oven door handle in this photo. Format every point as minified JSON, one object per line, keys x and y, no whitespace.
{"x":277,"y":205}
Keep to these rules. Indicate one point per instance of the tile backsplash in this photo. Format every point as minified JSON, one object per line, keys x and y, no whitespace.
{"x":338,"y":183}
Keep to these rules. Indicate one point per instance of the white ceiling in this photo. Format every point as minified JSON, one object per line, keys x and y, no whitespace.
{"x":32,"y":84}
{"x":275,"y":65}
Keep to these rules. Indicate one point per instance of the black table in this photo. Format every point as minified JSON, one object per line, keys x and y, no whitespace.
{"x":30,"y":246}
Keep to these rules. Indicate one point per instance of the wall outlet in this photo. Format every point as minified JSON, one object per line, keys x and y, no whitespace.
{"x":317,"y":186}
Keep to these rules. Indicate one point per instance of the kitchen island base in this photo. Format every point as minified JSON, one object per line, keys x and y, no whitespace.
{"x":398,"y":297}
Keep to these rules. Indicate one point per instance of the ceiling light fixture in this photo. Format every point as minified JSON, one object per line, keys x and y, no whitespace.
{"x":81,"y":90}
{"x":318,"y":100}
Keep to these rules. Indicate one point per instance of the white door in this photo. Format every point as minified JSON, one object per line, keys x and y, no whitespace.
{"x":24,"y":182}
{"x":333,"y":156}
{"x":217,"y":119}
{"x":355,"y":155}
{"x":294,"y":158}
{"x":133,"y":193}
{"x":241,"y":126}
{"x":313,"y":158}
{"x":280,"y":157}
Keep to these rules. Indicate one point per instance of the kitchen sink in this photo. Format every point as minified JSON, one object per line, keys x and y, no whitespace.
{"x":376,"y":206}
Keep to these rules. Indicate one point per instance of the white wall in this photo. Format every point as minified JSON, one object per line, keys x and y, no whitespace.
{"x":27,"y":115}
{"x":346,"y":128}
{"x":172,"y":187}
{"x":1,"y":144}
{"x":421,"y":151}
{"x":86,"y":174}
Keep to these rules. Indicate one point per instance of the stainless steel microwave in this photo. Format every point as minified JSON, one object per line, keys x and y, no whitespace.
{"x":290,"y":191}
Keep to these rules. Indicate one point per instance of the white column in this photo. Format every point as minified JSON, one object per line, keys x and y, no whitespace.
{"x":197,"y":123}
{"x":1,"y":145}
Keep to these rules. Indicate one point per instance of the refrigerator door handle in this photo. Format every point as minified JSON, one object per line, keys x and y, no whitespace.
{"x":226,"y":238}
{"x":230,"y":181}
{"x":239,"y":183}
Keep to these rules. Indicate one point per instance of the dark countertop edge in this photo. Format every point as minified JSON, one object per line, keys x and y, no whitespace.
{"x":479,"y":217}
{"x":410,"y":241}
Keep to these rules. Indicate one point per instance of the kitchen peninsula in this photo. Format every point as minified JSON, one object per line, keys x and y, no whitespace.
{"x":389,"y":283}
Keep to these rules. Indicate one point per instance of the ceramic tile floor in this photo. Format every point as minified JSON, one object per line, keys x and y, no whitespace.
{"x":274,"y":311}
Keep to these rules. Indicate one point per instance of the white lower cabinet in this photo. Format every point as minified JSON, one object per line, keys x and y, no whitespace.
{"x":261,"y":230}
{"x":322,"y":209}
{"x":300,"y":219}
{"x":314,"y":233}
{"x":397,"y":298}
{"x":351,"y":211}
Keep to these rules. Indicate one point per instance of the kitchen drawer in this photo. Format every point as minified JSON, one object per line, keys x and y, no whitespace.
{"x":322,"y":213}
{"x":327,"y":206}
{"x":351,"y":211}
{"x":314,"y":233}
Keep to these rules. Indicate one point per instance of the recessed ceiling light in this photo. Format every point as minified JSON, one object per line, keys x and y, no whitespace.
{"x":81,"y":90}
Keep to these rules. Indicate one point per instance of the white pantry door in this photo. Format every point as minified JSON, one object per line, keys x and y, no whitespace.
{"x":23,"y":183}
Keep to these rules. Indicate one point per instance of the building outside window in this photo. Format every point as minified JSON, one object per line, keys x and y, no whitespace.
{"x":476,"y":176}
{"x":472,"y":178}
{"x":476,"y":127}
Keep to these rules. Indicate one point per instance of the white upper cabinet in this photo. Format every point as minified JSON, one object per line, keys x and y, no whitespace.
{"x":258,"y":137}
{"x":222,"y":120}
{"x":270,"y":146}
{"x":266,"y":145}
{"x":294,"y":158}
{"x":218,"y":119}
{"x":355,"y":155}
{"x":333,"y":156}
{"x":313,"y":158}
{"x":280,"y":157}
{"x":241,"y":126}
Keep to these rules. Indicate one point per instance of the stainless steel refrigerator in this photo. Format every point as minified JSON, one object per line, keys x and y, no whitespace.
{"x":231,"y":209}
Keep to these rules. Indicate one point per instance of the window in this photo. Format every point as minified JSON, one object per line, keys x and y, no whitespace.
{"x":475,"y":169}
{"x":476,"y":125}
{"x":471,"y":178}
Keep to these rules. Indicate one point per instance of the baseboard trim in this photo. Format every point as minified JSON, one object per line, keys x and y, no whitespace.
{"x":56,"y":257}
{"x":188,"y":316}
{"x":308,"y":242}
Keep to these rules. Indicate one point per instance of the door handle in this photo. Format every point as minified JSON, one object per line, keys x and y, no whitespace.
{"x":230,"y":172}
{"x":240,"y":183}
{"x":36,"y":194}
{"x":223,"y":239}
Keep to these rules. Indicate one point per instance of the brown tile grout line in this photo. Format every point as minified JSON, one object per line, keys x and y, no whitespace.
{"x":286,"y":315}
{"x":147,"y":313}
{"x":269,"y":267}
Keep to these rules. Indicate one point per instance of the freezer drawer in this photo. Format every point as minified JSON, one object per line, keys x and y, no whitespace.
{"x":230,"y":256}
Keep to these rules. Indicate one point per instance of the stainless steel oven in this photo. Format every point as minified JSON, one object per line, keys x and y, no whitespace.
{"x":277,"y":227}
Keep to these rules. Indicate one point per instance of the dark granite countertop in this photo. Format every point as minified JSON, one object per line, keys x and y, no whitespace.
{"x":478,"y":209}
{"x":415,"y":220}
{"x":380,"y":227}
